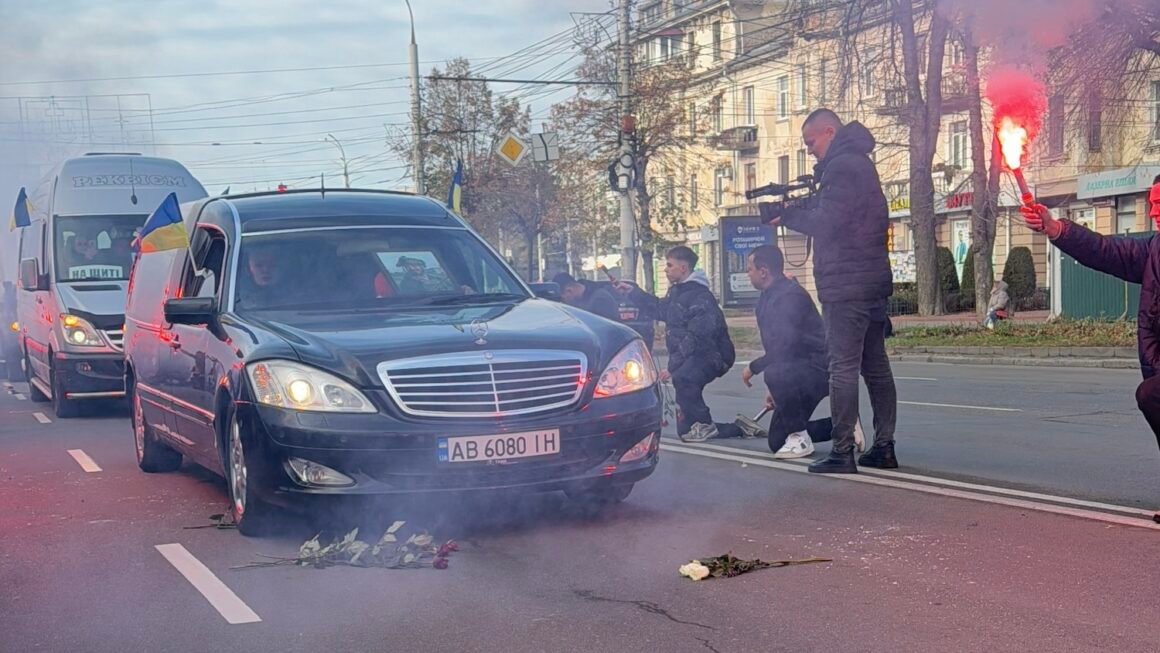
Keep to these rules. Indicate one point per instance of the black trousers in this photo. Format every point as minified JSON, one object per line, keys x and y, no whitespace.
{"x":795,"y":401}
{"x":856,"y":337}
{"x":1148,"y":399}
{"x":689,"y":386}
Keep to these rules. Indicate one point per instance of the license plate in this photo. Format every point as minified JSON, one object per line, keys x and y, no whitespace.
{"x":484,"y":448}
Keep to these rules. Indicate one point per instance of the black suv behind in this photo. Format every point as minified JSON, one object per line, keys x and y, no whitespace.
{"x":359,"y":342}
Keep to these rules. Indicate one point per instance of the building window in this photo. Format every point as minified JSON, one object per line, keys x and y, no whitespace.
{"x":802,"y":163}
{"x":692,"y":119}
{"x":668,"y":47}
{"x":694,"y":200}
{"x":717,"y":40}
{"x":750,"y":106}
{"x":750,"y":176}
{"x":803,"y":87}
{"x":921,"y":45}
{"x":652,"y":13}
{"x":956,"y":53}
{"x":719,"y":186}
{"x":1156,"y":111}
{"x":1084,"y":215}
{"x":671,"y":193}
{"x":822,"y":81}
{"x":718,"y":115}
{"x":1125,"y":214}
{"x":869,"y":87}
{"x":783,"y":96}
{"x":960,"y":145}
{"x":1095,"y":123}
{"x":783,"y":169}
{"x":1055,"y":125}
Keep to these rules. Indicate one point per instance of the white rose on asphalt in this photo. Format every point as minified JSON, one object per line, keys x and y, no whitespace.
{"x":695,"y":570}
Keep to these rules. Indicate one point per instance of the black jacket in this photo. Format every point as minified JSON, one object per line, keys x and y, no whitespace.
{"x":792,"y":335}
{"x":598,"y":299}
{"x":848,"y":221}
{"x":1135,"y":260}
{"x":695,"y":331}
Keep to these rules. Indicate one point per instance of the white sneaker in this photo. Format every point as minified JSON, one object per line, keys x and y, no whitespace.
{"x":797,"y":445}
{"x":700,"y":433}
{"x":859,"y":436}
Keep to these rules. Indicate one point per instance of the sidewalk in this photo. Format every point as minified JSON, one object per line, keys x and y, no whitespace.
{"x":903,"y":321}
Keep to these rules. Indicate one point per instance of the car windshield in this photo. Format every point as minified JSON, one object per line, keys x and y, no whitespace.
{"x":95,"y":247}
{"x":369,"y":268}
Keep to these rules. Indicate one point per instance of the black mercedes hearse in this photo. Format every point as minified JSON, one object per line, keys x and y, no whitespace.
{"x":369,"y":343}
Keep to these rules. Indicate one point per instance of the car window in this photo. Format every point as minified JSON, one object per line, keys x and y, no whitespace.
{"x":366,"y":268}
{"x":95,"y":247}
{"x":204,"y":282}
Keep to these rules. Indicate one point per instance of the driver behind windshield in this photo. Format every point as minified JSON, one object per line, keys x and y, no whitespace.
{"x":419,"y":280}
{"x":263,"y":279}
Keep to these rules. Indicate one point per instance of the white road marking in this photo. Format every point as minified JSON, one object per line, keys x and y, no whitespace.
{"x":42,"y":418}
{"x":991,"y":408}
{"x":919,"y":478}
{"x":83,"y":459}
{"x":19,"y":396}
{"x":222,"y":598}
{"x":867,"y":479}
{"x":913,"y":378}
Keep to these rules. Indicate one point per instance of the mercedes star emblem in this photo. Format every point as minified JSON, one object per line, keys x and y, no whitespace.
{"x":479,"y":330}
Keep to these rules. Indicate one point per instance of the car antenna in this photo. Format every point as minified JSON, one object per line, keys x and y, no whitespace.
{"x":132,"y":185}
{"x":323,"y":184}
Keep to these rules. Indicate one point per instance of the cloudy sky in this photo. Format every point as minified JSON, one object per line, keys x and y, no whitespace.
{"x":347,"y":77}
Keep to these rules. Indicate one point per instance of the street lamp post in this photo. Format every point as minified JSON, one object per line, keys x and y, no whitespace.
{"x":342,"y":152}
{"x":416,"y":136}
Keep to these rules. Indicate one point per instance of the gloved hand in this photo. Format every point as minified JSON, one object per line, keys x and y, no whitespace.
{"x":1039,"y":219}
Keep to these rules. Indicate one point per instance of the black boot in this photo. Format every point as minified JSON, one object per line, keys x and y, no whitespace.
{"x":880,"y":456}
{"x":836,"y":463}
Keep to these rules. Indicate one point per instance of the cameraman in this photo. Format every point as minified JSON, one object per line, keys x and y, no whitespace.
{"x":848,"y":221}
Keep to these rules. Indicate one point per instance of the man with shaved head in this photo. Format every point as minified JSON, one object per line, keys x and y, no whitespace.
{"x":848,"y":220}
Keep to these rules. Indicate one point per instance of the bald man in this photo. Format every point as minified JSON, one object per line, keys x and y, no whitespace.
{"x":848,"y":221}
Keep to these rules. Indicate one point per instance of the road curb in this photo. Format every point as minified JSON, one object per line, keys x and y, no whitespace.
{"x":898,"y":355}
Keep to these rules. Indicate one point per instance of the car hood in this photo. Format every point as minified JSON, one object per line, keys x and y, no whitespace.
{"x":100,"y":302}
{"x":352,"y":344}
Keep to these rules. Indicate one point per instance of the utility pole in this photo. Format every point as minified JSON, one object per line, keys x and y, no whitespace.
{"x":342,"y":152}
{"x":627,"y":220}
{"x":416,"y":106}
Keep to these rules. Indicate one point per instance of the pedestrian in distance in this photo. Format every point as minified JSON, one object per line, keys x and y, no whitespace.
{"x":794,"y":362}
{"x":1135,"y":260}
{"x":699,"y":348}
{"x":848,"y":221}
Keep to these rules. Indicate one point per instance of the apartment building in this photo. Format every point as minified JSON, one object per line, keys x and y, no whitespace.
{"x":761,"y":68}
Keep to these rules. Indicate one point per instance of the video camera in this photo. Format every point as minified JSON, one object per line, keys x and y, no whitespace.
{"x":769,"y":211}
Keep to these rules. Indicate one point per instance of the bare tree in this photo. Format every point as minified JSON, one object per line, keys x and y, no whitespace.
{"x":984,"y":181}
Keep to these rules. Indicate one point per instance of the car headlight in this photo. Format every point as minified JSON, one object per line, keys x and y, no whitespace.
{"x":78,"y":332}
{"x":286,"y":384}
{"x":630,"y":370}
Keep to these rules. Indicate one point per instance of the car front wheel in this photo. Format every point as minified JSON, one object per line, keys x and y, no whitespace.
{"x":153,"y":456}
{"x":252,"y":516}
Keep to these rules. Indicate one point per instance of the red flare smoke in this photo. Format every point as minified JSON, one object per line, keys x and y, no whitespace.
{"x":1018,"y":97}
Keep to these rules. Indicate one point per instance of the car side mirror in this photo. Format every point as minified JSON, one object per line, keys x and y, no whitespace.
{"x":30,"y":277}
{"x":192,"y":311}
{"x":546,"y":290}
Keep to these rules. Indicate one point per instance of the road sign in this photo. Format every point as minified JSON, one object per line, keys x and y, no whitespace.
{"x":512,"y":149}
{"x":545,"y":147}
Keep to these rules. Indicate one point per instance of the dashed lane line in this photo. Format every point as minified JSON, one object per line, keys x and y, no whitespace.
{"x":960,"y":406}
{"x":83,"y":459}
{"x":42,"y":418}
{"x":221,"y":597}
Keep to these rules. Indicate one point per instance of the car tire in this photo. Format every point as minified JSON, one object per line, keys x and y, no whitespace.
{"x":252,"y":516}
{"x":63,"y":407}
{"x":599,"y":497}
{"x":153,"y":455}
{"x":34,"y":393}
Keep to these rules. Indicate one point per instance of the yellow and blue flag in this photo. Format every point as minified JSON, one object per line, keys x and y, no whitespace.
{"x":164,"y":230}
{"x":455,"y":195}
{"x":21,"y":217}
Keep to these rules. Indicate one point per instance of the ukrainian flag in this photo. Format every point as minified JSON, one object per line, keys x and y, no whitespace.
{"x":20,"y":214}
{"x":455,"y":195}
{"x":164,"y":229}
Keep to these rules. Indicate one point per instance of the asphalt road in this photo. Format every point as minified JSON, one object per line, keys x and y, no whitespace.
{"x":1004,"y":531}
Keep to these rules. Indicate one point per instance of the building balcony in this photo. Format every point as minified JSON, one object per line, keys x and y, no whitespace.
{"x":955,"y":95}
{"x":894,"y":101}
{"x":737,"y":139}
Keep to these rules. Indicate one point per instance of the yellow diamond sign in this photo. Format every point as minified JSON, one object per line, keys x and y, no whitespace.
{"x":512,"y":149}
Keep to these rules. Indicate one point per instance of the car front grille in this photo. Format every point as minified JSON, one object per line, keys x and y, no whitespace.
{"x":116,"y":339}
{"x":486,"y":384}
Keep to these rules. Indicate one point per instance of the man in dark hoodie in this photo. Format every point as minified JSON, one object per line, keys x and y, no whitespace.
{"x":700,"y":350}
{"x":1136,"y":260}
{"x":848,"y":221}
